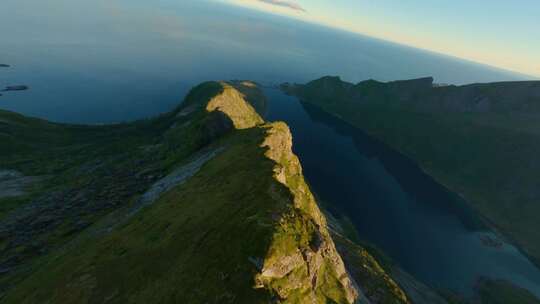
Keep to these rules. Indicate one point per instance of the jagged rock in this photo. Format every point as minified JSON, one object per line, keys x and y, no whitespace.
{"x":232,"y":103}
{"x":315,"y":260}
{"x":14,"y":183}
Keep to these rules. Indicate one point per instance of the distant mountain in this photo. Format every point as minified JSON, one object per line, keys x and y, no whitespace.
{"x":205,"y":204}
{"x":481,"y":141}
{"x":423,"y":95}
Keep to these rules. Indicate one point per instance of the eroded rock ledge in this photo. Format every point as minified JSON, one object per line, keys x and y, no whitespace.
{"x":302,"y":262}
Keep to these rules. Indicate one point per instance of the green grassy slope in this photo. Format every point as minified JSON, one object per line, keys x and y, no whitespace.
{"x":242,"y":228}
{"x":499,"y":292}
{"x":85,"y":172}
{"x":192,"y":245}
{"x":481,"y":141}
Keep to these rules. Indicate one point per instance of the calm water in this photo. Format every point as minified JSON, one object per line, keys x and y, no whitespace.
{"x":106,"y":61}
{"x":394,"y":205}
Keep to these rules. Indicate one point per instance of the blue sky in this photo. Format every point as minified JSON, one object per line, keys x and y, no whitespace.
{"x":501,"y":33}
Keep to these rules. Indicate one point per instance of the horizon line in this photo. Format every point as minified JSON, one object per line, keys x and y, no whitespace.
{"x":388,"y":40}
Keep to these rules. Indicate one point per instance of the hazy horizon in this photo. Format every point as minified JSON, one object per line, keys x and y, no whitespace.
{"x":127,"y":60}
{"x":460,"y":28}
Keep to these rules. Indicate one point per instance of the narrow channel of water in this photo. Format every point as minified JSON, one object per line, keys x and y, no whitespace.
{"x":393,"y":204}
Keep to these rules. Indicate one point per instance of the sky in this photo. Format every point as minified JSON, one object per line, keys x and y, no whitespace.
{"x":500,"y":33}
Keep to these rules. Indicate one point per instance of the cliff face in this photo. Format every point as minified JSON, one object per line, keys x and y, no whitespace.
{"x":302,"y":264}
{"x":232,"y":103}
{"x":210,"y":207}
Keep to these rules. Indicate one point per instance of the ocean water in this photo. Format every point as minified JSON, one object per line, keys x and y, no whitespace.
{"x":108,"y":61}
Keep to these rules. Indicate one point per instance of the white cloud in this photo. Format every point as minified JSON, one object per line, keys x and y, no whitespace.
{"x":284,"y":3}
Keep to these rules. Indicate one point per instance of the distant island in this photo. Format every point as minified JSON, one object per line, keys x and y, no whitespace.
{"x":16,"y":88}
{"x":12,"y":87}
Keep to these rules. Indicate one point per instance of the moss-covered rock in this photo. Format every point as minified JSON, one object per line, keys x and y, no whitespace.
{"x":302,"y":264}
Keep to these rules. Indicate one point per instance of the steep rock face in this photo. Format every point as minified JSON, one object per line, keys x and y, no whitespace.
{"x":302,"y":264}
{"x":231,"y":102}
{"x":252,"y":94}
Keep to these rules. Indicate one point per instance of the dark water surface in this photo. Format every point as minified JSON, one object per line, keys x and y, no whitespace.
{"x":393,"y":204}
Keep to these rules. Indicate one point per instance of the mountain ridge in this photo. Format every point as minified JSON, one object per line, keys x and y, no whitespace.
{"x":514,"y":96}
{"x":205,"y":204}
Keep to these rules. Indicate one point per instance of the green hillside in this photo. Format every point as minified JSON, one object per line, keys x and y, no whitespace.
{"x":205,"y":204}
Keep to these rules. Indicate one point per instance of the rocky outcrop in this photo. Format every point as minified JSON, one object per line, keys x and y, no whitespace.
{"x":302,"y":264}
{"x":252,"y":94}
{"x":231,"y":102}
{"x":14,"y":183}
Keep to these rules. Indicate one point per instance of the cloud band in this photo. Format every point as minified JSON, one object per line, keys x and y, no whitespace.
{"x":284,"y":3}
